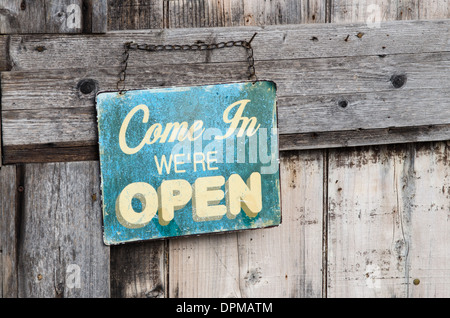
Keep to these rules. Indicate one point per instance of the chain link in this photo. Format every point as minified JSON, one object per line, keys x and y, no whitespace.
{"x":186,"y":47}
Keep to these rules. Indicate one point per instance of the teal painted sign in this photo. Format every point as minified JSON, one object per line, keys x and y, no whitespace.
{"x":188,"y":160}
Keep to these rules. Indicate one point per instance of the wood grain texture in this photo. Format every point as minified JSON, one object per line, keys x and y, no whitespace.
{"x":56,"y":16}
{"x":367,"y":249}
{"x":388,"y":221}
{"x":279,"y":42}
{"x":353,"y":138}
{"x":61,"y":16}
{"x":425,"y":202}
{"x":9,"y":220}
{"x":98,"y":16}
{"x":61,"y":248}
{"x":328,"y":102}
{"x":135,"y":14}
{"x":94,"y":16}
{"x":139,"y":270}
{"x":151,"y":14}
{"x":4,"y":53}
{"x":204,"y":266}
{"x":284,"y":261}
{"x":369,"y":11}
{"x":433,"y":9}
{"x":283,"y":12}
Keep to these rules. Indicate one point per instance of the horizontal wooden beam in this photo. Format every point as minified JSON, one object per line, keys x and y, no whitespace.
{"x":282,"y":42}
{"x":338,"y":85}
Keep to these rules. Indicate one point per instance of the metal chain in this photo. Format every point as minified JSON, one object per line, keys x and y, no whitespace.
{"x":187,"y":47}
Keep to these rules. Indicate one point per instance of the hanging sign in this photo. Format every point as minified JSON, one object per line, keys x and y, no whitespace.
{"x":188,"y":160}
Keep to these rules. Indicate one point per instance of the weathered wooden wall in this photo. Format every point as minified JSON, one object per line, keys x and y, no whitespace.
{"x":357,"y":222}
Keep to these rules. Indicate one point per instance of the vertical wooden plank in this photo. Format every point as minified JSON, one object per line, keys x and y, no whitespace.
{"x":135,"y":14}
{"x":201,"y":13}
{"x":55,"y":16}
{"x":370,"y":11}
{"x":41,"y":16}
{"x":389,"y":221}
{"x":204,"y":266}
{"x":408,"y":10}
{"x":367,"y":244}
{"x":98,"y":14}
{"x":5,"y":63}
{"x":284,"y":12}
{"x":388,"y":10}
{"x":95,"y":16}
{"x":63,"y":16}
{"x":425,"y":200}
{"x":8,"y":232}
{"x":61,"y":249}
{"x":433,"y":9}
{"x":138,"y":270}
{"x":22,"y":16}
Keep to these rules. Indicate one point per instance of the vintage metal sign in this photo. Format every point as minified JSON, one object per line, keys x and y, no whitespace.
{"x":188,"y":160}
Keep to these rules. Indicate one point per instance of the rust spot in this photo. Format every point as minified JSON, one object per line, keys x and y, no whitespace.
{"x":360,"y":34}
{"x":248,"y":19}
{"x":40,"y":48}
